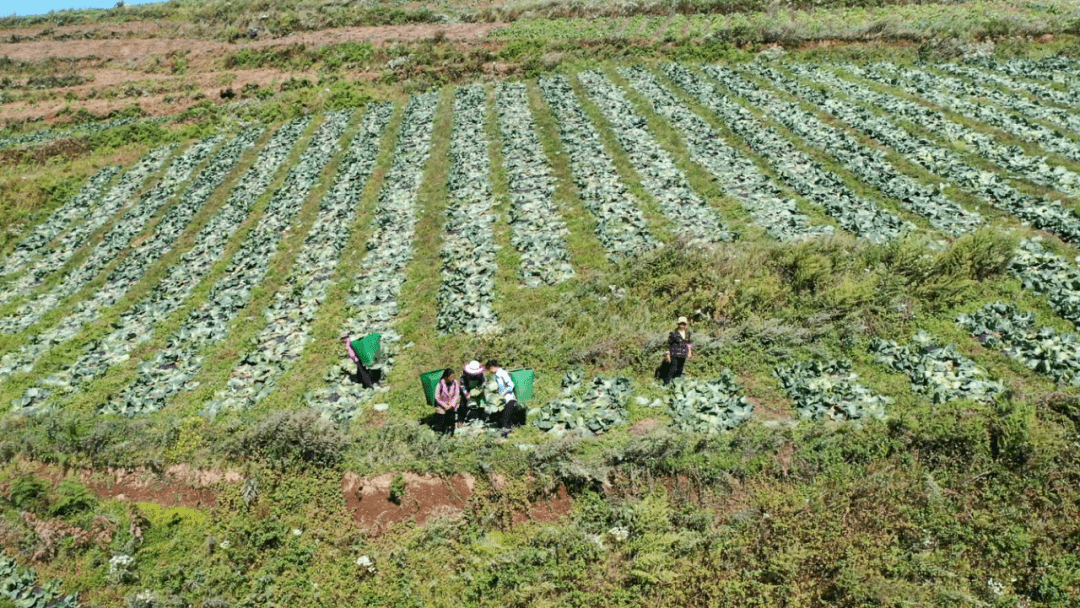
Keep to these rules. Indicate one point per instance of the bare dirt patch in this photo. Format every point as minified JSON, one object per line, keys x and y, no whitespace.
{"x":644,"y":427}
{"x":427,"y":497}
{"x":178,"y":485}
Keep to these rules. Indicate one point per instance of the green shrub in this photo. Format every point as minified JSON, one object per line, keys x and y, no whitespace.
{"x":293,"y":437}
{"x":71,"y":497}
{"x":28,"y":492}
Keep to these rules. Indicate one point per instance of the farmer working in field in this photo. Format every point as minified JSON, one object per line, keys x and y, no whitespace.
{"x":505,"y":389}
{"x":447,"y":400}
{"x":472,"y":386}
{"x":679,"y":350}
{"x":361,"y":371}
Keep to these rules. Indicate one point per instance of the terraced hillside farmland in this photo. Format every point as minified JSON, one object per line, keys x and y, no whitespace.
{"x":877,"y":246}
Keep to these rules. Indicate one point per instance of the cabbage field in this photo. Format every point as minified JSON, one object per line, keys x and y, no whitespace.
{"x":882,"y":245}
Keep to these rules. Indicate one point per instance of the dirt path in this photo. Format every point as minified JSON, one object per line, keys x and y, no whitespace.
{"x":138,"y":49}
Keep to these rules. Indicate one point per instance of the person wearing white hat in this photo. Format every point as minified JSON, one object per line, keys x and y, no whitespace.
{"x":472,"y":387}
{"x":679,"y":350}
{"x":361,"y":371}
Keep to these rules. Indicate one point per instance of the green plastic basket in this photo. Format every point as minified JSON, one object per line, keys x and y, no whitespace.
{"x":367,"y":348}
{"x":523,"y":383}
{"x":430,"y":380}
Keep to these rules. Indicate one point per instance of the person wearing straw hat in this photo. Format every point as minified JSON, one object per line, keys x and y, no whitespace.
{"x":361,"y":371}
{"x":679,"y":350}
{"x":472,"y":387}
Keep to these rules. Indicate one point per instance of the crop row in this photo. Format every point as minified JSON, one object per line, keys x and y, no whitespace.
{"x":466,"y":298}
{"x":1051,"y":69}
{"x":1042,"y":212}
{"x":708,"y":406}
{"x":136,"y":325}
{"x":1013,"y":158}
{"x":941,"y":373}
{"x":45,"y":135}
{"x":805,"y":175}
{"x":695,"y":220}
{"x":620,"y":226}
{"x":585,"y":411}
{"x":735,"y":174}
{"x":933,"y":87}
{"x":984,"y":86}
{"x":71,"y":242}
{"x":138,"y":261}
{"x":1041,"y":349}
{"x":117,"y":241}
{"x":538,"y":231}
{"x":374,"y":295}
{"x":20,"y":586}
{"x":44,"y":233}
{"x":289,"y":318}
{"x":1045,"y":273}
{"x":868,"y":164}
{"x":822,"y":388}
{"x":172,"y":369}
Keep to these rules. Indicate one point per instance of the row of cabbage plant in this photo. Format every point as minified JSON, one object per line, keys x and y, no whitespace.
{"x":737,"y":175}
{"x":71,"y":242}
{"x":538,"y":230}
{"x":138,"y":261}
{"x":373,"y":298}
{"x":136,"y":325}
{"x":117,"y":241}
{"x":935,"y":88}
{"x":172,"y":369}
{"x":829,"y":389}
{"x":1049,"y":69}
{"x":985,"y":86}
{"x":1042,"y":212}
{"x":21,"y":587}
{"x":941,"y":373}
{"x":1046,"y":273}
{"x":804,"y":174}
{"x":81,"y":203}
{"x":1020,"y":164}
{"x":620,"y":225}
{"x":466,"y":298}
{"x":1042,"y":349}
{"x":868,"y":164}
{"x":289,"y":318}
{"x":696,"y":222}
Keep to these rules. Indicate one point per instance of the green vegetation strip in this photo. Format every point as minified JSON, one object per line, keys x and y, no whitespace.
{"x":171,"y":370}
{"x":117,"y":241}
{"x":289,"y":319}
{"x":806,"y":176}
{"x":138,"y":261}
{"x":935,"y":88}
{"x":695,"y":220}
{"x":1019,"y":164}
{"x":466,"y":298}
{"x":539,"y":232}
{"x":941,"y":373}
{"x":1041,"y":349}
{"x":620,"y":225}
{"x":1042,"y":212}
{"x":136,"y":325}
{"x":374,"y":295}
{"x":71,"y":242}
{"x":867,"y":164}
{"x":84,"y":201}
{"x":736,"y":174}
{"x":829,"y":389}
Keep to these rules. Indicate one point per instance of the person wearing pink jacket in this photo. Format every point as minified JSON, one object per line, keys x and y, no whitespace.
{"x":361,"y":371}
{"x":447,"y":399}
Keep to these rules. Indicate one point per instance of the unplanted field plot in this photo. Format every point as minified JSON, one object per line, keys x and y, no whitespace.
{"x":656,"y":155}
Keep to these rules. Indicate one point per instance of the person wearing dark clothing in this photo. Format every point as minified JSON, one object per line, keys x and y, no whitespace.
{"x":506,"y":394}
{"x":472,"y":387}
{"x":361,"y":371}
{"x":679,"y":350}
{"x":447,"y":400}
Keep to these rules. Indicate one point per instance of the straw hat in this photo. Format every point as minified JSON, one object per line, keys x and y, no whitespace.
{"x":343,"y":335}
{"x":474,"y":367}
{"x":682,"y":320}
